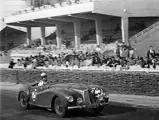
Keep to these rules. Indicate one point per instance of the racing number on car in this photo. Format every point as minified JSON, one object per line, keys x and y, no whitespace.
{"x":97,"y":91}
{"x":34,"y":93}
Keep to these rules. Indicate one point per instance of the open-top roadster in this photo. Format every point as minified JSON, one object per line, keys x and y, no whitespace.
{"x":63,"y":97}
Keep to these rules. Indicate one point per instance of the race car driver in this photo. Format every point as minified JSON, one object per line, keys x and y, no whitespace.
{"x":43,"y":80}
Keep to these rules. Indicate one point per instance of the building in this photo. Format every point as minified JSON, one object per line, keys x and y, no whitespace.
{"x":74,"y":17}
{"x":8,"y":33}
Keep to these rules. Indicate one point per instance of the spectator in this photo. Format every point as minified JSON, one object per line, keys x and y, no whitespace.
{"x":96,"y":61}
{"x":12,"y":44}
{"x":123,"y":63}
{"x":11,"y":64}
{"x":19,"y":62}
{"x":117,"y":49}
{"x":112,"y":62}
{"x":151,"y":53}
{"x":67,"y":63}
{"x":25,"y":45}
{"x":141,"y":62}
{"x":34,"y":63}
{"x":25,"y":63}
{"x":98,"y":49}
{"x":147,"y":63}
{"x":154,"y":60}
{"x":117,"y":29}
{"x":131,"y":53}
{"x":95,"y":57}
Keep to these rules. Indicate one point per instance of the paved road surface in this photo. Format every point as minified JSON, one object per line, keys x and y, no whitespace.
{"x":10,"y":110}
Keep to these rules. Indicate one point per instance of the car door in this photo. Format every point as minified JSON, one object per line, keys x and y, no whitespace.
{"x":41,"y":96}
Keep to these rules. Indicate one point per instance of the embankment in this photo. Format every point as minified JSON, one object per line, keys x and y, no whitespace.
{"x":123,"y":82}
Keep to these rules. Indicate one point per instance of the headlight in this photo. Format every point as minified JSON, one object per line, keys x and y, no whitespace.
{"x":70,"y":99}
{"x":79,"y":100}
{"x":105,"y":95}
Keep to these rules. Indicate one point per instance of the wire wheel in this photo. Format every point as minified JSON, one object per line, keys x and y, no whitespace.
{"x":59,"y":108}
{"x":23,"y":101}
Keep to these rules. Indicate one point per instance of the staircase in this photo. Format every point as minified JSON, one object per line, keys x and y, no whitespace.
{"x":139,"y":37}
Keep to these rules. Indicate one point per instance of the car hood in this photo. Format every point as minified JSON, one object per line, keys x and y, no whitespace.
{"x":70,"y":86}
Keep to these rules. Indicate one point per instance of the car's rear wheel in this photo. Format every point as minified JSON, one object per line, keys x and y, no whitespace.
{"x":98,"y":110}
{"x":23,"y":101}
{"x":59,"y":108}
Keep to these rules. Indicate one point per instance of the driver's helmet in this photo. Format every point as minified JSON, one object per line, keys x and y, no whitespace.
{"x":43,"y":75}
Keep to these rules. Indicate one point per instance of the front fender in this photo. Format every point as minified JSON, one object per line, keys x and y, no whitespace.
{"x":24,"y":89}
{"x":62,"y":98}
{"x":62,"y":94}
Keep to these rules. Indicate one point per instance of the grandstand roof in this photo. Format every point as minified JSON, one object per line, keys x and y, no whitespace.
{"x":87,"y":10}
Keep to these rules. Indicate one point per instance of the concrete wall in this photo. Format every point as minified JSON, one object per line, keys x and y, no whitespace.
{"x":134,"y":8}
{"x":20,"y":39}
{"x":139,"y":83}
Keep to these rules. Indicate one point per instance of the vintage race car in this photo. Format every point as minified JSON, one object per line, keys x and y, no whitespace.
{"x":63,"y":97}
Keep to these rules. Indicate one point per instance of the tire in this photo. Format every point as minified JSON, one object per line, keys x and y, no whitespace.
{"x":23,"y":101}
{"x":59,"y":108}
{"x":98,"y":110}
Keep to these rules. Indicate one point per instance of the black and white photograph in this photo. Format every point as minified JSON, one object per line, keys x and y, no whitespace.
{"x":79,"y":59}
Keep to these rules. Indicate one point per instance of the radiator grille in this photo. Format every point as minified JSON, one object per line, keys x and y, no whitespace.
{"x":87,"y":97}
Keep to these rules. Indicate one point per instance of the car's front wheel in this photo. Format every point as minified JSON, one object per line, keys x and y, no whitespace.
{"x":23,"y":101}
{"x":59,"y":108}
{"x":98,"y":110}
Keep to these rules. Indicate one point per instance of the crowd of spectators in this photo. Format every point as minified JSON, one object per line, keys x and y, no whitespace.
{"x":123,"y":57}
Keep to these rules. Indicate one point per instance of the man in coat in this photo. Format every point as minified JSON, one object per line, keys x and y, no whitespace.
{"x":151,"y":53}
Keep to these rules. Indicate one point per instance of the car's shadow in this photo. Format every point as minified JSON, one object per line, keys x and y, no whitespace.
{"x":111,"y":109}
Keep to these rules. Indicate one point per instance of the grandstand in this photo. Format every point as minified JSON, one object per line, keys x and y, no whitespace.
{"x":81,"y":24}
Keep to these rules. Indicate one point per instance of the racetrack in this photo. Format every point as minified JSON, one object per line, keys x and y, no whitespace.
{"x":10,"y":110}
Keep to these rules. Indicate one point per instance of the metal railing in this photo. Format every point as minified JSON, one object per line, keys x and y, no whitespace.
{"x":44,"y":7}
{"x":144,"y":31}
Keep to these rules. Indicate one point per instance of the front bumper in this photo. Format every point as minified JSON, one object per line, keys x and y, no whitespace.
{"x":87,"y":106}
